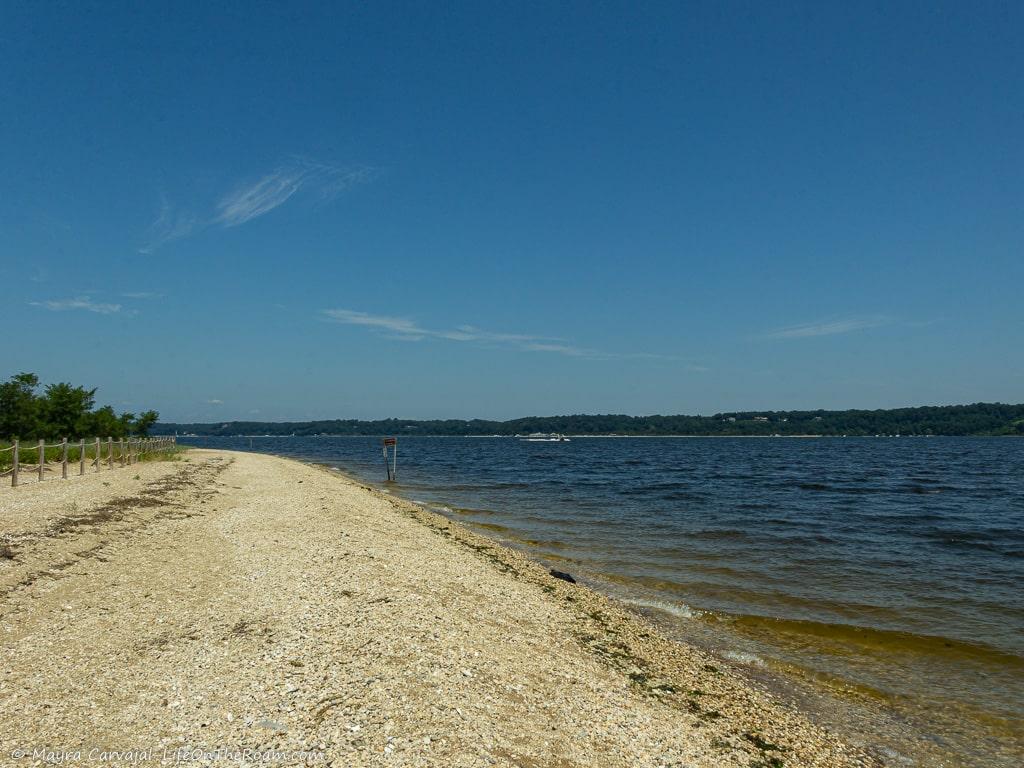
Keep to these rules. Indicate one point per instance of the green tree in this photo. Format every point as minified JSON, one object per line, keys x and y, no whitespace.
{"x":65,"y":409}
{"x":103,"y":422}
{"x":145,"y":421}
{"x":127,"y":420}
{"x":19,"y":406}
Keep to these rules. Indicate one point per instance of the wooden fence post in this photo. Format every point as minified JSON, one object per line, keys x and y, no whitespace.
{"x":81,"y":456}
{"x":64,"y":458}
{"x":110,"y":453}
{"x":120,"y":449}
{"x":97,"y":454}
{"x":42,"y":458}
{"x":14,"y":469}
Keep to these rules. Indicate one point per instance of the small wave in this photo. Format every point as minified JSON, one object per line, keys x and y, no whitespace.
{"x":841,"y":638}
{"x":647,"y":489}
{"x":489,"y":526}
{"x":966,"y":540}
{"x":742,"y":657}
{"x":468,"y":511}
{"x":720,"y":533}
{"x":682,"y":610}
{"x":683,"y":496}
{"x":440,"y":509}
{"x":919,"y":489}
{"x":540,"y":543}
{"x":495,"y":486}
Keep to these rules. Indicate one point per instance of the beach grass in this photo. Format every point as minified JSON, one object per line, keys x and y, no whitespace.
{"x":28,"y":453}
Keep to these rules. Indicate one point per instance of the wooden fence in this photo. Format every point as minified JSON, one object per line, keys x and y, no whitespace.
{"x":123,"y":451}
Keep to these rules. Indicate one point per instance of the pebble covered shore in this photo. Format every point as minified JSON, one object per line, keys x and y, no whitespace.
{"x":229,"y":601}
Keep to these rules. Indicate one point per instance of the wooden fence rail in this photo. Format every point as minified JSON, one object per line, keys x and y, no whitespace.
{"x":127,"y":451}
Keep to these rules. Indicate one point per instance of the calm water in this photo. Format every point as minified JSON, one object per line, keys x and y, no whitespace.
{"x":878,"y":581}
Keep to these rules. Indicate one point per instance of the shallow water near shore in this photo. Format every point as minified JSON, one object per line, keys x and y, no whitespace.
{"x":884,"y":574}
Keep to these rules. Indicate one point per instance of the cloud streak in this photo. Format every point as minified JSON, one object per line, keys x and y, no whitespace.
{"x":140,"y":295}
{"x":169,"y":225}
{"x":409,"y":330}
{"x":255,"y":198}
{"x":405,"y":329}
{"x":397,"y":325}
{"x":829,"y":327}
{"x":249,"y":202}
{"x":80,"y":303}
{"x":259,"y":198}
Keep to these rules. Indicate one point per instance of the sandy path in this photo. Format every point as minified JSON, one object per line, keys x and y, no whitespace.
{"x":239,"y":601}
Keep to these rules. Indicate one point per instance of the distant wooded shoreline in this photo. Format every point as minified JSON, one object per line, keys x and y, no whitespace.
{"x":978,"y":419}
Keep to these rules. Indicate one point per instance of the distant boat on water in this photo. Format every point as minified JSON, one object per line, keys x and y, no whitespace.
{"x":544,"y":437}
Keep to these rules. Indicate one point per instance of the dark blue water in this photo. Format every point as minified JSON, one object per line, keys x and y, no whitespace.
{"x":861,"y":563}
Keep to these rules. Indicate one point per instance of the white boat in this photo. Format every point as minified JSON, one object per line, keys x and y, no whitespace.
{"x":541,"y":437}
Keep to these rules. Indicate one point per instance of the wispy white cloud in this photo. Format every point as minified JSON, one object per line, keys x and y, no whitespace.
{"x":140,"y":295}
{"x":79,"y":302}
{"x":397,"y":325}
{"x":332,"y":180}
{"x":405,"y":329}
{"x":829,"y":327}
{"x":409,"y":330}
{"x":250,"y":201}
{"x":260,"y":197}
{"x":215,"y":401}
{"x":255,"y":198}
{"x":170,"y":224}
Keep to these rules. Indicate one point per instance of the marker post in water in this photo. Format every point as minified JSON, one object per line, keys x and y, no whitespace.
{"x":392,"y":465}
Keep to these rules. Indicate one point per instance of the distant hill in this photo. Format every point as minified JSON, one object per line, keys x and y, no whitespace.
{"x":976,"y":419}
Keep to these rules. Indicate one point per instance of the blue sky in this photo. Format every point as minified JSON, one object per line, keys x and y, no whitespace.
{"x":291,"y":211}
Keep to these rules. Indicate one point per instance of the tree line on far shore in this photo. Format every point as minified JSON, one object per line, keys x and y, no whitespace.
{"x":976,"y":419}
{"x":62,"y":410}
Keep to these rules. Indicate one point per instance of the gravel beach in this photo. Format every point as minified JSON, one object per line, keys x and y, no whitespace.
{"x":237,"y":608}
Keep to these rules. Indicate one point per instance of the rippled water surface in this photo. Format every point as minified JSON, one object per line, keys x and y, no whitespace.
{"x":887,"y":572}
